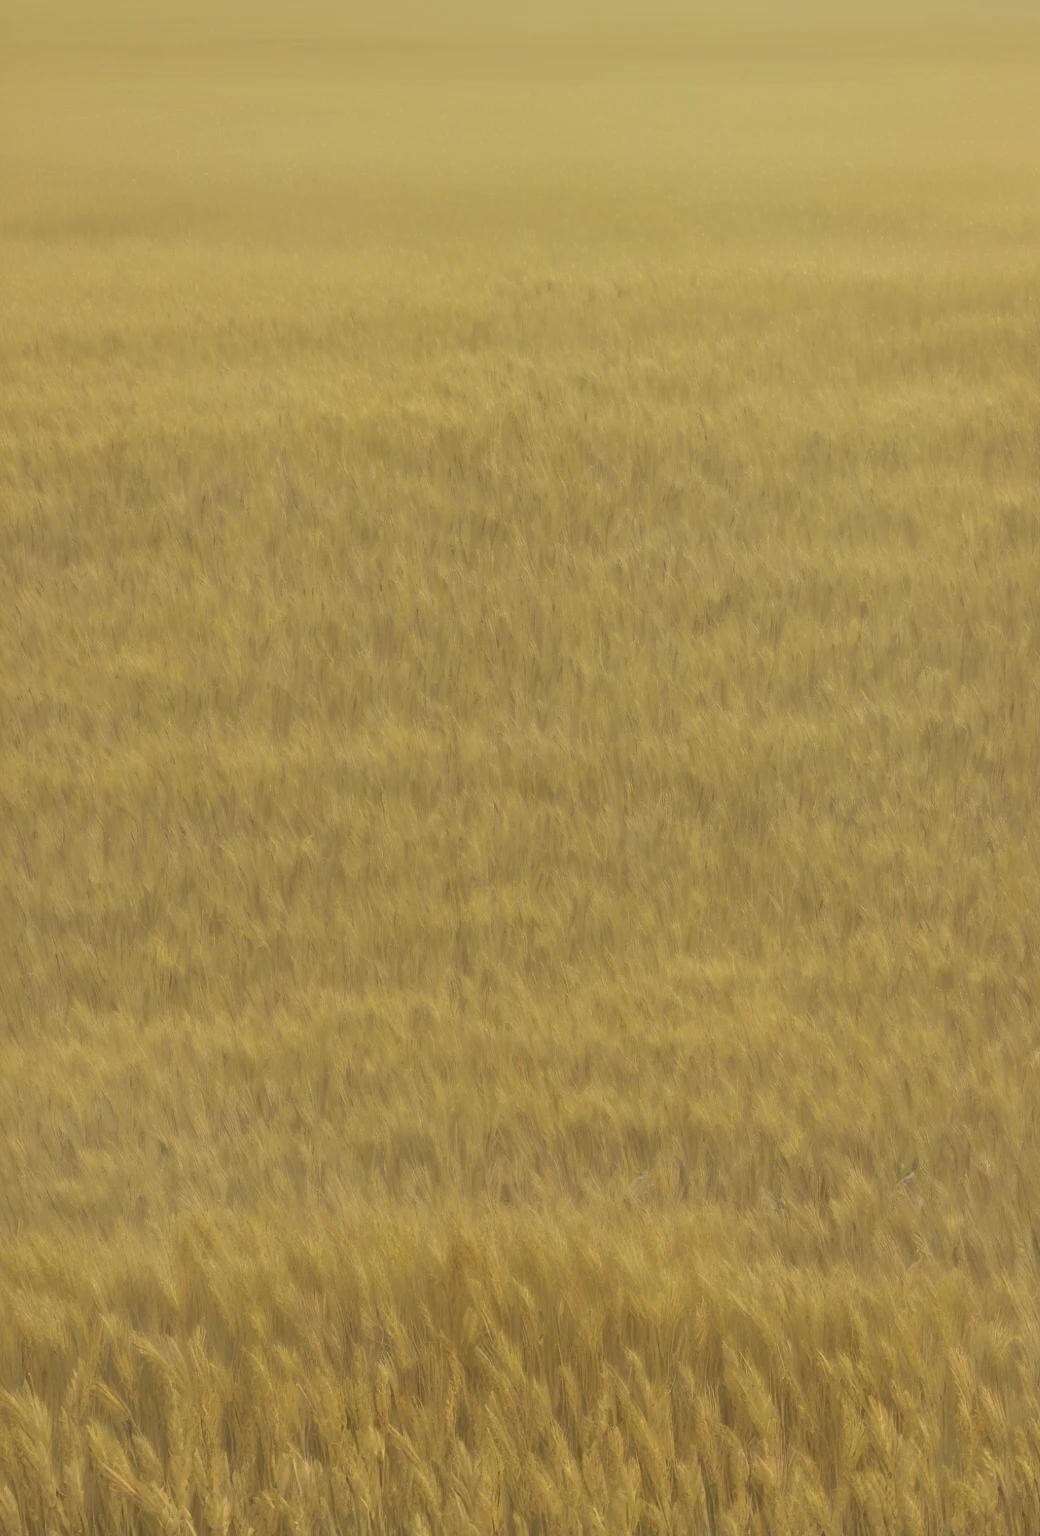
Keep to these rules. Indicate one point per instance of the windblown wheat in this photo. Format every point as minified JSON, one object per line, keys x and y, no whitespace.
{"x":519,"y":652}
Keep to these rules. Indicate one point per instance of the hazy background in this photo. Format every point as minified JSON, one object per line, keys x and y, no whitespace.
{"x":585,"y":22}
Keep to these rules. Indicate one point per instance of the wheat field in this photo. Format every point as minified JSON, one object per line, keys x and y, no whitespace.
{"x":519,"y":770}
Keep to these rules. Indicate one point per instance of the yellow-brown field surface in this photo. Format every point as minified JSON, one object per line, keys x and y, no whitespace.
{"x":519,"y":774}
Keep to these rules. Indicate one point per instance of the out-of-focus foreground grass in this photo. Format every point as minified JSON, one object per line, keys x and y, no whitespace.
{"x":519,"y":663}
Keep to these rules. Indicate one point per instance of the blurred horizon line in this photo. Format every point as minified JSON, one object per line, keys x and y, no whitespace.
{"x":567,"y":28}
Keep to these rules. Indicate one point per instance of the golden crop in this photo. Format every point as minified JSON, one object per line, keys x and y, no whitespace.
{"x":519,"y":771}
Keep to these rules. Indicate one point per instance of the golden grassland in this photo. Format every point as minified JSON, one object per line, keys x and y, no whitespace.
{"x":519,"y":832}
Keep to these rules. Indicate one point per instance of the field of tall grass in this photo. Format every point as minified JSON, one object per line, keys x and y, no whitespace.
{"x":519,"y":774}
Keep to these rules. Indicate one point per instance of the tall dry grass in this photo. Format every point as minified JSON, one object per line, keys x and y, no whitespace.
{"x":519,"y":658}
